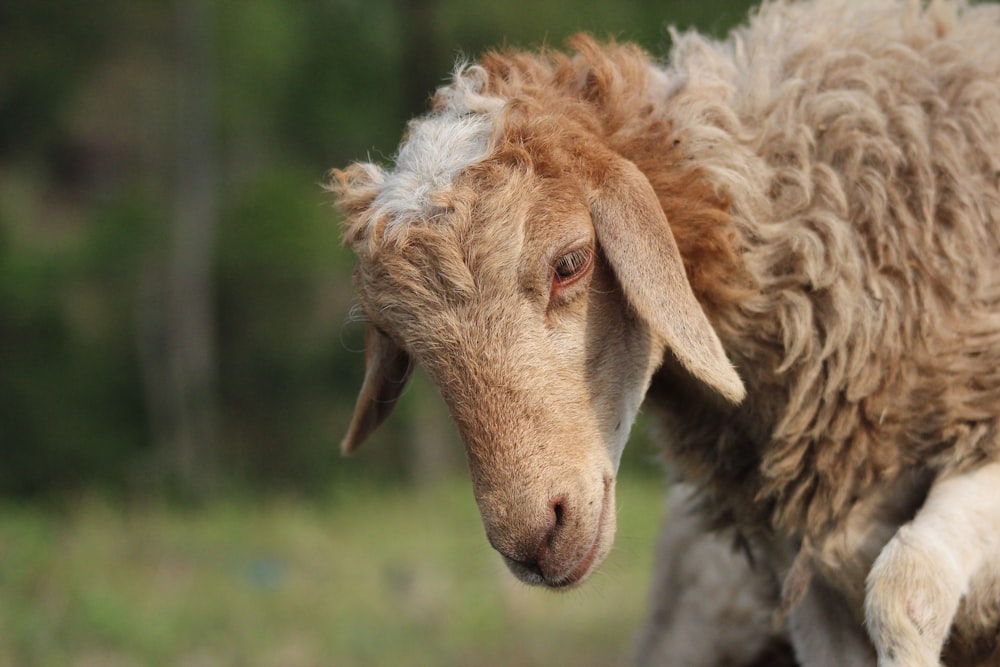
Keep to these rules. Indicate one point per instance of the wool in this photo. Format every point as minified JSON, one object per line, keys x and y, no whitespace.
{"x":878,"y":258}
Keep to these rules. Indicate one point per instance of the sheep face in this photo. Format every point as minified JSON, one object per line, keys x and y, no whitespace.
{"x":508,"y":305}
{"x":539,"y":293}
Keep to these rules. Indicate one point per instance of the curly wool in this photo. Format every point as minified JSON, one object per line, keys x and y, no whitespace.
{"x":861,"y":154}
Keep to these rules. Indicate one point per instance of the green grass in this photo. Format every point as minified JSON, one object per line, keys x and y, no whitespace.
{"x":370,"y":577}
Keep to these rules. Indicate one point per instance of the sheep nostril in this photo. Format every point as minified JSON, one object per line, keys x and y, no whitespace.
{"x":556,"y":520}
{"x":538,"y":556}
{"x":558,"y":509}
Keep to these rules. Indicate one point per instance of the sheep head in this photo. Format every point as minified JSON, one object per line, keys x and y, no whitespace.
{"x":531,"y":271}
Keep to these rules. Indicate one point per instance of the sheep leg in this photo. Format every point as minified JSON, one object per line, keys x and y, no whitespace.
{"x":919,"y":579}
{"x":825,"y":633}
{"x":709,"y":607}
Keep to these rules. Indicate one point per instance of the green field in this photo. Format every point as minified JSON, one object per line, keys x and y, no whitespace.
{"x":367,"y":577}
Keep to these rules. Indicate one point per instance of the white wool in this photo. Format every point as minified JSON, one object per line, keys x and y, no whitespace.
{"x":440,"y":146}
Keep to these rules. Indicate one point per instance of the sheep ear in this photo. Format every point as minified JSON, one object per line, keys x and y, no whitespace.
{"x":636,"y":240}
{"x":387,"y":368}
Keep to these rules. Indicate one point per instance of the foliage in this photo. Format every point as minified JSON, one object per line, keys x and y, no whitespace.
{"x":89,"y":166}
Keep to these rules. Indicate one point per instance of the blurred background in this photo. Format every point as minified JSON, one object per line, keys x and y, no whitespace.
{"x":177,"y":364}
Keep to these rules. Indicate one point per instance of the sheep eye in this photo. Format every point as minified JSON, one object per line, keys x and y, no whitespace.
{"x":571,"y":266}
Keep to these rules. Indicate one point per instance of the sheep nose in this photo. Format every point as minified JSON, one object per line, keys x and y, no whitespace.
{"x":538,"y":545}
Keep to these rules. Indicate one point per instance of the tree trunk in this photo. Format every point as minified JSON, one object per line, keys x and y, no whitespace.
{"x":420,"y":73}
{"x":175,"y":323}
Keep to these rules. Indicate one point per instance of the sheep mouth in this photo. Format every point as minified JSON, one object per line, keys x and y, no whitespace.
{"x":584,"y":566}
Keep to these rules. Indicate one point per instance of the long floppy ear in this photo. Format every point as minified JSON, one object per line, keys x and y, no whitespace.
{"x":636,"y":239}
{"x":387,"y":368}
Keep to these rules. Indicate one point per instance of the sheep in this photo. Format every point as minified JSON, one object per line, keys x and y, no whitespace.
{"x":785,"y":244}
{"x":710,"y":605}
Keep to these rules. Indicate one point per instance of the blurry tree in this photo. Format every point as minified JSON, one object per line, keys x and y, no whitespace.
{"x":69,"y":409}
{"x":421,"y":52}
{"x":184,"y":402}
{"x":173,"y":296}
